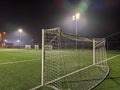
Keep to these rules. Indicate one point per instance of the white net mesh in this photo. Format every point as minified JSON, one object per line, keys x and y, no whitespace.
{"x":72,"y":62}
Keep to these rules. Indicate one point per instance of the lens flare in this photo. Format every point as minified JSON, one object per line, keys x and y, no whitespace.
{"x":82,"y":6}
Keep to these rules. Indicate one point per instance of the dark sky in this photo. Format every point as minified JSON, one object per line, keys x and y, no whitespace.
{"x":103,"y":16}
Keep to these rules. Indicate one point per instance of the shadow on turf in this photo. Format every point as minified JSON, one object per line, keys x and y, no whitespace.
{"x":115,"y":79}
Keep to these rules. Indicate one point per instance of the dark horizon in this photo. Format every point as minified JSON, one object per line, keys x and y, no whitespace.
{"x":102,"y":17}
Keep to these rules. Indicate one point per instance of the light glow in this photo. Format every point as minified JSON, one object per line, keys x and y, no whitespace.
{"x":73,"y":17}
{"x":5,"y":40}
{"x":18,"y":41}
{"x":76,"y":16}
{"x":20,"y":30}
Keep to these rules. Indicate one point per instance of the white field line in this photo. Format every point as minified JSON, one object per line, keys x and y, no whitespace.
{"x":101,"y":66}
{"x":19,"y":61}
{"x":74,"y":72}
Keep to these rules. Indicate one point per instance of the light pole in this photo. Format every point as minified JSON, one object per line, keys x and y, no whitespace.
{"x":20,"y":31}
{"x":76,"y":17}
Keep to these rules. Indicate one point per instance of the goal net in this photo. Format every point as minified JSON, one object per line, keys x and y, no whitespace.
{"x":71,"y":62}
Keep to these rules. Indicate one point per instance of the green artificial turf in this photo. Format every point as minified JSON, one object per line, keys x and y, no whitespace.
{"x":21,"y":69}
{"x":112,"y":82}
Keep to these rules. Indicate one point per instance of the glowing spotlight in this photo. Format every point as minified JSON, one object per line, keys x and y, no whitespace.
{"x":73,"y":17}
{"x":77,"y":15}
{"x":5,"y":40}
{"x":18,"y":41}
{"x":20,"y":30}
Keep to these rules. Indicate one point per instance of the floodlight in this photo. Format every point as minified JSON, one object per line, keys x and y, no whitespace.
{"x":77,"y":15}
{"x":20,"y":30}
{"x":73,"y":17}
{"x":5,"y":40}
{"x":18,"y":41}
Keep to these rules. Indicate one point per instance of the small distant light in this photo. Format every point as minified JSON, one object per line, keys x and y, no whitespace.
{"x":4,"y":33}
{"x":18,"y":41}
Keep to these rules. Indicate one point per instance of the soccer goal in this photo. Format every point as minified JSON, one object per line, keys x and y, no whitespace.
{"x":67,"y":65}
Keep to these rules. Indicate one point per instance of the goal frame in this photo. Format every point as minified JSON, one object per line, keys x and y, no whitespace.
{"x":43,"y":58}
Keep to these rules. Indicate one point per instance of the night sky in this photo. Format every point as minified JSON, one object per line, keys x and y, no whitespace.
{"x":101,"y":18}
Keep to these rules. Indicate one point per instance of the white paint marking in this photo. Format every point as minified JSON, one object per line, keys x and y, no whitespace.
{"x":19,"y":61}
{"x":74,"y":72}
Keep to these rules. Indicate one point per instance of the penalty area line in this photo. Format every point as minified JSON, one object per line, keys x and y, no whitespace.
{"x":19,"y":61}
{"x":112,"y":57}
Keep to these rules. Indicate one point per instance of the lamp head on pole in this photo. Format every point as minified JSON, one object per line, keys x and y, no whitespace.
{"x":20,"y":30}
{"x":74,"y":17}
{"x":77,"y":15}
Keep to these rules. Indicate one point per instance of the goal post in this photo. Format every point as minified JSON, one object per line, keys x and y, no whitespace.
{"x":93,"y":51}
{"x":66,"y":68}
{"x":43,"y":58}
{"x":46,"y":47}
